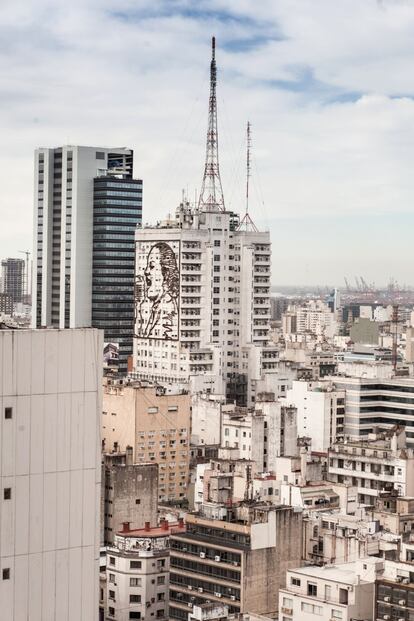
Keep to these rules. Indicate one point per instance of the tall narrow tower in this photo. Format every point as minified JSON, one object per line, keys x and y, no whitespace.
{"x":211,"y":196}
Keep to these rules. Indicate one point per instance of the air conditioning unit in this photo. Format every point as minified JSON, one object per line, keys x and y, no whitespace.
{"x":190,"y":587}
{"x":399,"y":579}
{"x":217,"y":594}
{"x":200,"y":589}
{"x":387,"y":599}
{"x":401,"y":618}
{"x":387,"y":617}
{"x":406,"y":581}
{"x":217,"y":559}
{"x":184,"y":549}
{"x":233,"y":598}
{"x":401,"y":602}
{"x":189,"y":604}
{"x":202,"y":555}
{"x":236,"y":563}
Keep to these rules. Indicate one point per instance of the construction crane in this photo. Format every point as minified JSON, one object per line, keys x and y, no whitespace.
{"x":26,"y":275}
{"x":348,"y":287}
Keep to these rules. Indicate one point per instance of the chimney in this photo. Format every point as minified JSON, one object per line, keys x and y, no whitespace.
{"x":303,"y":463}
{"x":147,"y":526}
{"x":125,"y":527}
{"x":164,"y":524}
{"x":130,"y":364}
{"x":129,"y":455}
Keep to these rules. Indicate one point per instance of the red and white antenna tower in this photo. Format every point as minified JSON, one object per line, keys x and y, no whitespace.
{"x":211,"y":195}
{"x":246,"y":221}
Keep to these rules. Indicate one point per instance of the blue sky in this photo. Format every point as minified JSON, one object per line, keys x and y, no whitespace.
{"x":328,"y":87}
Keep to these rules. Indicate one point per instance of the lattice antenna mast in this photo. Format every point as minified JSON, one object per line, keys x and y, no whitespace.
{"x":248,"y":165}
{"x":247,"y":223}
{"x":211,"y":195}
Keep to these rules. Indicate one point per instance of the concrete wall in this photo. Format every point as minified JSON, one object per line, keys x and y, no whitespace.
{"x":50,"y":459}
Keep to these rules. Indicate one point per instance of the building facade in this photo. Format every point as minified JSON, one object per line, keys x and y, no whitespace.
{"x":377,"y":403}
{"x":50,"y":405}
{"x":13,"y":278}
{"x":377,"y":464}
{"x":239,"y":562}
{"x":129,"y":494}
{"x":202,"y":303}
{"x":87,"y":206}
{"x":156,"y":425}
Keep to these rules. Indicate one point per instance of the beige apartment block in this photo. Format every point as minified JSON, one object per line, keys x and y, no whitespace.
{"x":156,"y":424}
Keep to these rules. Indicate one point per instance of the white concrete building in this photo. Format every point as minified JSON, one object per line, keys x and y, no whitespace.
{"x":320,"y":411}
{"x":206,"y":418}
{"x":203,"y":303}
{"x":137,"y":572}
{"x":314,"y":317}
{"x":380,"y":463}
{"x":342,"y":592}
{"x":50,"y":405}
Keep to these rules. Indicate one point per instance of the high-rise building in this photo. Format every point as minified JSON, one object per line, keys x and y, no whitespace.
{"x":87,"y":206}
{"x":203,"y":291}
{"x":13,"y":278}
{"x":50,"y":409}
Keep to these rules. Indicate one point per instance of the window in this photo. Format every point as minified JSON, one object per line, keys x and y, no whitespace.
{"x":160,"y":597}
{"x":100,"y":155}
{"x":153,"y":410}
{"x":217,"y":242}
{"x":287,"y":602}
{"x":312,"y":589}
{"x":173,"y":408}
{"x":111,"y":595}
{"x":137,"y":501}
{"x":135,"y":582}
{"x":111,"y":611}
{"x":328,"y":592}
{"x":134,"y":615}
{"x":217,"y":257}
{"x":336,"y":614}
{"x":135,"y":564}
{"x":111,"y":577}
{"x":161,"y":580}
{"x":343,"y":596}
{"x":6,"y":574}
{"x":7,"y":493}
{"x":160,"y":613}
{"x":134,"y":599}
{"x":111,"y":560}
{"x":312,"y":608}
{"x":8,"y":412}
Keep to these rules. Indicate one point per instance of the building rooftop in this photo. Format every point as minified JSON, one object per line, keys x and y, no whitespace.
{"x":165,"y":528}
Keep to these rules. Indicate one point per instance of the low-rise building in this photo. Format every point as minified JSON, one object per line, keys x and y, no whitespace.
{"x":137,"y":572}
{"x":394,"y":592}
{"x":380,"y":463}
{"x":320,"y":411}
{"x":235,"y":555}
{"x":342,"y":592}
{"x":129,"y":493}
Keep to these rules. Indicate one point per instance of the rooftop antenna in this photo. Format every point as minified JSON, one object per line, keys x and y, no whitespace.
{"x":211,"y":195}
{"x":247,"y":222}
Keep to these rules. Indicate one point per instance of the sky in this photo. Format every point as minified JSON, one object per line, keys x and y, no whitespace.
{"x":327,"y":86}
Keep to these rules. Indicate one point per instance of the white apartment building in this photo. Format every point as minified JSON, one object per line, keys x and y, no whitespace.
{"x":377,"y":403}
{"x":342,"y":592}
{"x":137,"y":572}
{"x":380,"y":463}
{"x":50,"y":406}
{"x":206,"y":418}
{"x":320,"y":411}
{"x":203,"y":304}
{"x":314,"y":317}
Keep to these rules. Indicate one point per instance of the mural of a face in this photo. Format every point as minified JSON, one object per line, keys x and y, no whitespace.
{"x":157,"y":292}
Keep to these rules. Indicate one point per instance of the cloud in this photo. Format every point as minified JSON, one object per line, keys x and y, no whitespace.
{"x":326,"y":85}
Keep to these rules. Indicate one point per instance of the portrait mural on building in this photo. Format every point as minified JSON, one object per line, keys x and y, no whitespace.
{"x":157,"y":287}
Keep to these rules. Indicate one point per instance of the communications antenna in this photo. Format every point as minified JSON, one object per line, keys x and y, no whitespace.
{"x":246,"y":222}
{"x":211,"y":195}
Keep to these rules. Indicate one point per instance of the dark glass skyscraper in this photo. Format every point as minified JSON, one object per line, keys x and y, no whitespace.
{"x":117,"y":211}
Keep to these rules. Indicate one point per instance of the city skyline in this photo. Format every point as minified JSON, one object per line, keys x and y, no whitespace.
{"x":331,"y":113}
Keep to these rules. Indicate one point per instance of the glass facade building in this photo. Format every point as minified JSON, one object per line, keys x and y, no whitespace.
{"x":117,"y":211}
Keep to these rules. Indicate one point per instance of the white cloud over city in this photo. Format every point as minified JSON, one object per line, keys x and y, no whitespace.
{"x":328,"y":87}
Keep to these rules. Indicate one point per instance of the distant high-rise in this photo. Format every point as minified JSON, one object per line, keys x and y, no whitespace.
{"x":13,"y":275}
{"x":87,"y":206}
